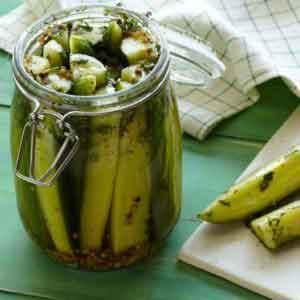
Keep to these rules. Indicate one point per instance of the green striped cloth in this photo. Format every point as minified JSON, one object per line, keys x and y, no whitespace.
{"x":256,"y":39}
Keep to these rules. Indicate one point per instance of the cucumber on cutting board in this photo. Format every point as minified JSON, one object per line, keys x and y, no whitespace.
{"x":279,"y":226}
{"x":100,"y":173}
{"x":264,"y":188}
{"x":50,"y":198}
{"x":130,"y":213}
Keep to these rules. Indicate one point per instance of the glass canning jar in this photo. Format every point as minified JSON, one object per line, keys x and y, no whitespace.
{"x":98,"y":178}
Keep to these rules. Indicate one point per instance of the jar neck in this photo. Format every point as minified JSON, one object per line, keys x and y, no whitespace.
{"x":117,"y":101}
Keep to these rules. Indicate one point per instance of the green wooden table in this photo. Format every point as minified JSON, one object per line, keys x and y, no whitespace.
{"x":209,"y":168}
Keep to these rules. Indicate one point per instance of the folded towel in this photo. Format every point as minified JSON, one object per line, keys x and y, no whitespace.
{"x":256,"y":39}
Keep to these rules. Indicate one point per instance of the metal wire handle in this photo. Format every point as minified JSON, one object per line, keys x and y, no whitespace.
{"x":58,"y":164}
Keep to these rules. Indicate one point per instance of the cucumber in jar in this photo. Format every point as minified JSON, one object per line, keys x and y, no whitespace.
{"x":100,"y":173}
{"x":27,"y":201}
{"x":130,"y":212}
{"x":50,"y":198}
{"x":166,"y":173}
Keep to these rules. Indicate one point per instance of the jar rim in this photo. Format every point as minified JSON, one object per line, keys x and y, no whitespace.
{"x":101,"y":101}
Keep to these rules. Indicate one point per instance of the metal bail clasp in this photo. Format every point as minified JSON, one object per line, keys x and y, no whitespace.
{"x":64,"y":154}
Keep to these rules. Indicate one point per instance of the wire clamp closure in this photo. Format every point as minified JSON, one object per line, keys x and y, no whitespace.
{"x":64,"y":155}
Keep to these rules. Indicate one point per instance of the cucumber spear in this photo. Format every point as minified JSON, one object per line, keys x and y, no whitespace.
{"x":279,"y":226}
{"x":49,"y":197}
{"x":130,"y":211}
{"x":99,"y":179}
{"x":264,"y":188}
{"x":28,"y":204}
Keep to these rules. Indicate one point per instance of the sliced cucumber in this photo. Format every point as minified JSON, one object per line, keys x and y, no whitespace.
{"x":166,"y":165}
{"x":85,"y":85}
{"x":264,"y":188}
{"x":100,"y":173}
{"x":28,"y":203}
{"x":136,"y":50}
{"x":93,"y":32}
{"x":123,"y":85}
{"x":36,"y":64}
{"x":50,"y":198}
{"x":114,"y":36}
{"x":79,"y":44}
{"x":61,"y":35}
{"x":105,"y":90}
{"x":82,"y":65}
{"x":279,"y":226}
{"x":55,"y":53}
{"x":132,"y":74}
{"x":58,"y":82}
{"x":130,"y":213}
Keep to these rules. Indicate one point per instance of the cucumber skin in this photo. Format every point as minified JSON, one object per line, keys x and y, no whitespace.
{"x":56,"y":58}
{"x":279,"y":226}
{"x":114,"y":36}
{"x":62,"y":37}
{"x":76,"y":168}
{"x":50,"y":198}
{"x":28,"y":205}
{"x":130,"y":213}
{"x":100,"y":173}
{"x":261,"y":190}
{"x":85,"y":86}
{"x":79,"y":44}
{"x":166,"y":164}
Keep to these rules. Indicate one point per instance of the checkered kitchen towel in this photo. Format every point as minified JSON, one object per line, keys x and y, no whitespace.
{"x":256,"y":39}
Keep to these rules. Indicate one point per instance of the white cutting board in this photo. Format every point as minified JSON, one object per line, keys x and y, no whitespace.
{"x":233,"y":252}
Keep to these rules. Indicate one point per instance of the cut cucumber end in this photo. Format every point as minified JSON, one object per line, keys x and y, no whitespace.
{"x":85,"y":86}
{"x":79,"y":44}
{"x":132,"y":74}
{"x":37,"y":64}
{"x":93,"y":32}
{"x":122,"y":85}
{"x":61,"y":36}
{"x":55,"y":53}
{"x":114,"y":36}
{"x":263,"y":235}
{"x":82,"y":65}
{"x":105,"y":90}
{"x":58,"y":83}
{"x":134,"y":50}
